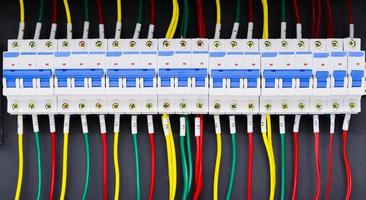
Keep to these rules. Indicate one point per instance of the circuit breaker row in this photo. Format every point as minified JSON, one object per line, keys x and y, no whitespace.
{"x":184,"y":76}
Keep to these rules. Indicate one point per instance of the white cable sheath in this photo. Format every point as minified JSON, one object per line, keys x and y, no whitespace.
{"x":351,"y":30}
{"x":86,"y":30}
{"x":101,"y":31}
{"x":235,"y":30}
{"x":217,"y":124}
{"x":37,"y":32}
{"x":66,"y":128}
{"x":282,"y":124}
{"x":283,"y":30}
{"x":53,"y":31}
{"x":182,"y":129}
{"x":232,"y":124}
{"x":332,"y":124}
{"x":69,"y":31}
{"x":298,"y":30}
{"x":102,"y":124}
{"x":197,"y":127}
{"x":250,"y":30}
{"x":51,"y":119}
{"x":297,"y":123}
{"x":134,"y":124}
{"x":166,"y":127}
{"x":150,"y":124}
{"x":35,"y":123}
{"x":150,"y":33}
{"x":346,"y":121}
{"x":263,"y":124}
{"x":217,"y":31}
{"x":250,"y":123}
{"x":116,"y":123}
{"x":84,"y":124}
{"x":21,"y":30}
{"x":117,"y":34}
{"x":20,"y":124}
{"x":136,"y":34}
{"x":316,"y":123}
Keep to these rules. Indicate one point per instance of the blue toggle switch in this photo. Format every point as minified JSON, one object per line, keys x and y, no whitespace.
{"x":357,"y":76}
{"x":28,"y":75}
{"x":79,"y":75}
{"x":322,"y":77}
{"x":339,"y":76}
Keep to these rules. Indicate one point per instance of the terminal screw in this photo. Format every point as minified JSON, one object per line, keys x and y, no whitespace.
{"x":98,"y":106}
{"x":132,"y":44}
{"x":217,"y":106}
{"x":216,"y":44}
{"x":132,"y":106}
{"x":115,"y":106}
{"x":65,"y":44}
{"x":284,"y":106}
{"x":301,"y":44}
{"x":268,"y":106}
{"x":251,"y":106}
{"x":149,"y":106}
{"x":200,"y":43}
{"x":82,"y":44}
{"x":15,"y":44}
{"x":166,"y":44}
{"x":32,"y":44}
{"x":48,"y":44}
{"x":48,"y":106}
{"x":166,"y":105}
{"x":318,"y":106}
{"x":335,"y":44}
{"x":199,"y":105}
{"x":15,"y":106}
{"x":233,"y":44}
{"x":318,"y":44}
{"x":183,"y":105}
{"x":99,"y":44}
{"x":183,"y":44}
{"x":234,"y":106}
{"x":250,"y":44}
{"x":31,"y":106}
{"x":65,"y":106}
{"x":149,"y":43}
{"x":82,"y":106}
{"x":352,"y":43}
{"x":284,"y":44}
{"x":352,"y":105}
{"x":267,"y":44}
{"x":335,"y":106}
{"x":301,"y":106}
{"x":115,"y":44}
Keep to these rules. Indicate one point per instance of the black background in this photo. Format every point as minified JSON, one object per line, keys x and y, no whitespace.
{"x":306,"y":188}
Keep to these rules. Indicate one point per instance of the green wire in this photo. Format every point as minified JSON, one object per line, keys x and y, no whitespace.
{"x":233,"y":167}
{"x":39,"y":165}
{"x":139,"y":16}
{"x":87,"y":175}
{"x":137,"y":165}
{"x":238,"y":10}
{"x":283,"y":10}
{"x":189,"y":153}
{"x":40,"y":11}
{"x":185,"y":20}
{"x":184,"y":167}
{"x":283,"y":166}
{"x":86,"y":10}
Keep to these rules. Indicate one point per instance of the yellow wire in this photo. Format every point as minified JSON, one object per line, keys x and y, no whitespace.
{"x":116,"y":166}
{"x":218,"y":12}
{"x":20,"y":166}
{"x":174,"y":20}
{"x":67,"y":10}
{"x":267,"y":139}
{"x":119,"y":11}
{"x":265,"y":19}
{"x":21,"y":10}
{"x":217,"y":168}
{"x":172,"y":163}
{"x":64,"y":166}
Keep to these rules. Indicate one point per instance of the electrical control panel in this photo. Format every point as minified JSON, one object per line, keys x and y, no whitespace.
{"x":184,"y":76}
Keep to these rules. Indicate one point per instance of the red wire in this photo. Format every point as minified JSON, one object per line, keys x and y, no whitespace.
{"x":313,"y":19}
{"x":53,"y":165}
{"x":317,"y":163}
{"x":297,"y":12}
{"x":250,"y":166}
{"x":100,"y":12}
{"x":54,"y":11}
{"x":330,"y":167}
{"x":198,"y":178}
{"x":152,"y":172}
{"x":200,"y":20}
{"x":330,"y":26}
{"x":347,"y":165}
{"x":251,"y":11}
{"x":296,"y":165}
{"x":349,"y":8}
{"x":152,"y":11}
{"x":105,"y":166}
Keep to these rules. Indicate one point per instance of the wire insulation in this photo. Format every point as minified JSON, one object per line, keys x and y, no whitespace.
{"x":317,"y":164}
{"x":297,"y":12}
{"x":137,"y":165}
{"x":116,"y":166}
{"x":233,"y":167}
{"x":20,"y":166}
{"x":189,"y":155}
{"x":265,"y":33}
{"x":152,"y":171}
{"x":296,"y":165}
{"x":217,"y":167}
{"x":347,"y":165}
{"x":40,"y":11}
{"x":330,"y":167}
{"x":105,"y":166}
{"x":283,"y":166}
{"x":53,"y":165}
{"x":87,"y":162}
{"x":250,"y":166}
{"x":64,"y":165}
{"x":39,"y":165}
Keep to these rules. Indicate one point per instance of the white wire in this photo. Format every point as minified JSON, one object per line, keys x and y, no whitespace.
{"x":86,"y":30}
{"x":346,"y":121}
{"x":217,"y":124}
{"x":250,"y":30}
{"x":332,"y":124}
{"x":21,"y":30}
{"x":150,"y":33}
